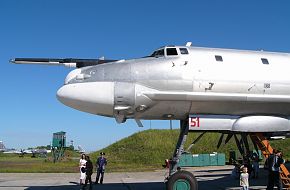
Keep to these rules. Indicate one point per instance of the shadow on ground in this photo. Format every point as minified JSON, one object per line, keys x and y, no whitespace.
{"x":115,"y":186}
{"x":212,"y":180}
{"x":206,"y":182}
{"x":230,"y":183}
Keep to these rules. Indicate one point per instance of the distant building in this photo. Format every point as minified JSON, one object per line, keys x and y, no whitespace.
{"x":2,"y":146}
{"x":58,"y":145}
{"x":59,"y":139}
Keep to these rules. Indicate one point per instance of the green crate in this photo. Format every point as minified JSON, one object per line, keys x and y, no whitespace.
{"x":204,"y":159}
{"x":195,"y":160}
{"x":185,"y":160}
{"x":221,"y":159}
{"x":189,"y":160}
{"x":213,"y":159}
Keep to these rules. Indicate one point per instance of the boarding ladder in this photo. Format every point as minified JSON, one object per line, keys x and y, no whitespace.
{"x":266,"y":149}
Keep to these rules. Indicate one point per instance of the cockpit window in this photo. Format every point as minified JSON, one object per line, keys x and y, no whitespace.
{"x":158,"y":53}
{"x":171,"y":51}
{"x":183,"y":50}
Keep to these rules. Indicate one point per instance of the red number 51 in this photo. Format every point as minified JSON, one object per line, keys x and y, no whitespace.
{"x":194,"y":122}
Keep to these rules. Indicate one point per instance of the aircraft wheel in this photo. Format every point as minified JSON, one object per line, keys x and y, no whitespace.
{"x":182,"y":180}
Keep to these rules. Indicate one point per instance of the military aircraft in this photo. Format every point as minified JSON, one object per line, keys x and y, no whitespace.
{"x":208,"y":89}
{"x":80,"y":149}
{"x":2,"y":147}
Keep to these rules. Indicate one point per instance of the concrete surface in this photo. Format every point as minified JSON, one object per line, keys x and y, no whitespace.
{"x":209,"y":178}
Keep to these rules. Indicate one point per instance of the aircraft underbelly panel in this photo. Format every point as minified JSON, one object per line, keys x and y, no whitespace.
{"x":240,"y":108}
{"x":255,"y":123}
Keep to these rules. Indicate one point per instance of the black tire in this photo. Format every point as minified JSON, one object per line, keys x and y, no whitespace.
{"x":182,"y":180}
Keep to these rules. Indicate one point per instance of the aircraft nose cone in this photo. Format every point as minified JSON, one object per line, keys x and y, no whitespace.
{"x":63,"y":94}
{"x":93,"y":97}
{"x":60,"y":94}
{"x":67,"y":95}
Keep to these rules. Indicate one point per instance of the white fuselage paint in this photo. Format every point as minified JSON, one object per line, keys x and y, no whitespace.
{"x":241,"y":71}
{"x":196,"y":83}
{"x":94,"y":97}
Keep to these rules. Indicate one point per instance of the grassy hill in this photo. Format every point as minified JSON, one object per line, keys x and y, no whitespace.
{"x":148,"y":149}
{"x":142,"y":151}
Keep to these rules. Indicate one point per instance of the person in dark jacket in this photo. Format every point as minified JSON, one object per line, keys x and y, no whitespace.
{"x":101,"y":164}
{"x":89,"y":172}
{"x":273,"y":163}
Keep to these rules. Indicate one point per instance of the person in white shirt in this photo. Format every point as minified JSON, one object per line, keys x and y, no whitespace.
{"x":82,"y":166}
{"x":244,"y":179}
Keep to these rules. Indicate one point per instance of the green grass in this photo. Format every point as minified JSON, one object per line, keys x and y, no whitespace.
{"x":12,"y":163}
{"x":147,"y":150}
{"x":142,"y":151}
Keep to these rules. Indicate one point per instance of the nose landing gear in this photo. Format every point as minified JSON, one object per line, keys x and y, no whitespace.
{"x":180,"y":179}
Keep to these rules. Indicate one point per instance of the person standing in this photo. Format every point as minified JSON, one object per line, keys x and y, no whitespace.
{"x":89,"y":172}
{"x":244,"y":179}
{"x":101,"y":164}
{"x":273,"y":163}
{"x":255,"y":158}
{"x":247,"y":162}
{"x":82,"y":166}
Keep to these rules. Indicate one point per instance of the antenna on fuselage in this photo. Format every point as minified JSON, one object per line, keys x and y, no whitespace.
{"x":188,"y":44}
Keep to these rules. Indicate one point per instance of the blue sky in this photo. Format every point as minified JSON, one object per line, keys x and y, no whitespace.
{"x":30,"y":112}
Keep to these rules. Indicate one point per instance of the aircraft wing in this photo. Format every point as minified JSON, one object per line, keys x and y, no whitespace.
{"x":215,"y":96}
{"x":68,"y":62}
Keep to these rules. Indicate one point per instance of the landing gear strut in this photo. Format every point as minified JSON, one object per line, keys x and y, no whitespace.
{"x":180,"y":179}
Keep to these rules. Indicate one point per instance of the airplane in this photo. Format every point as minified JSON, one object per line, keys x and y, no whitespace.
{"x":12,"y":151}
{"x":22,"y":152}
{"x":80,"y":149}
{"x":228,"y":91}
{"x":2,"y":147}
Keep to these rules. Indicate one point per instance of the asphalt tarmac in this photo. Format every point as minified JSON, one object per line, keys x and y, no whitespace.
{"x":209,"y":178}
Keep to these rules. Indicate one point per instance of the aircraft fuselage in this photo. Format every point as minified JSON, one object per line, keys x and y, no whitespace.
{"x":204,"y":81}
